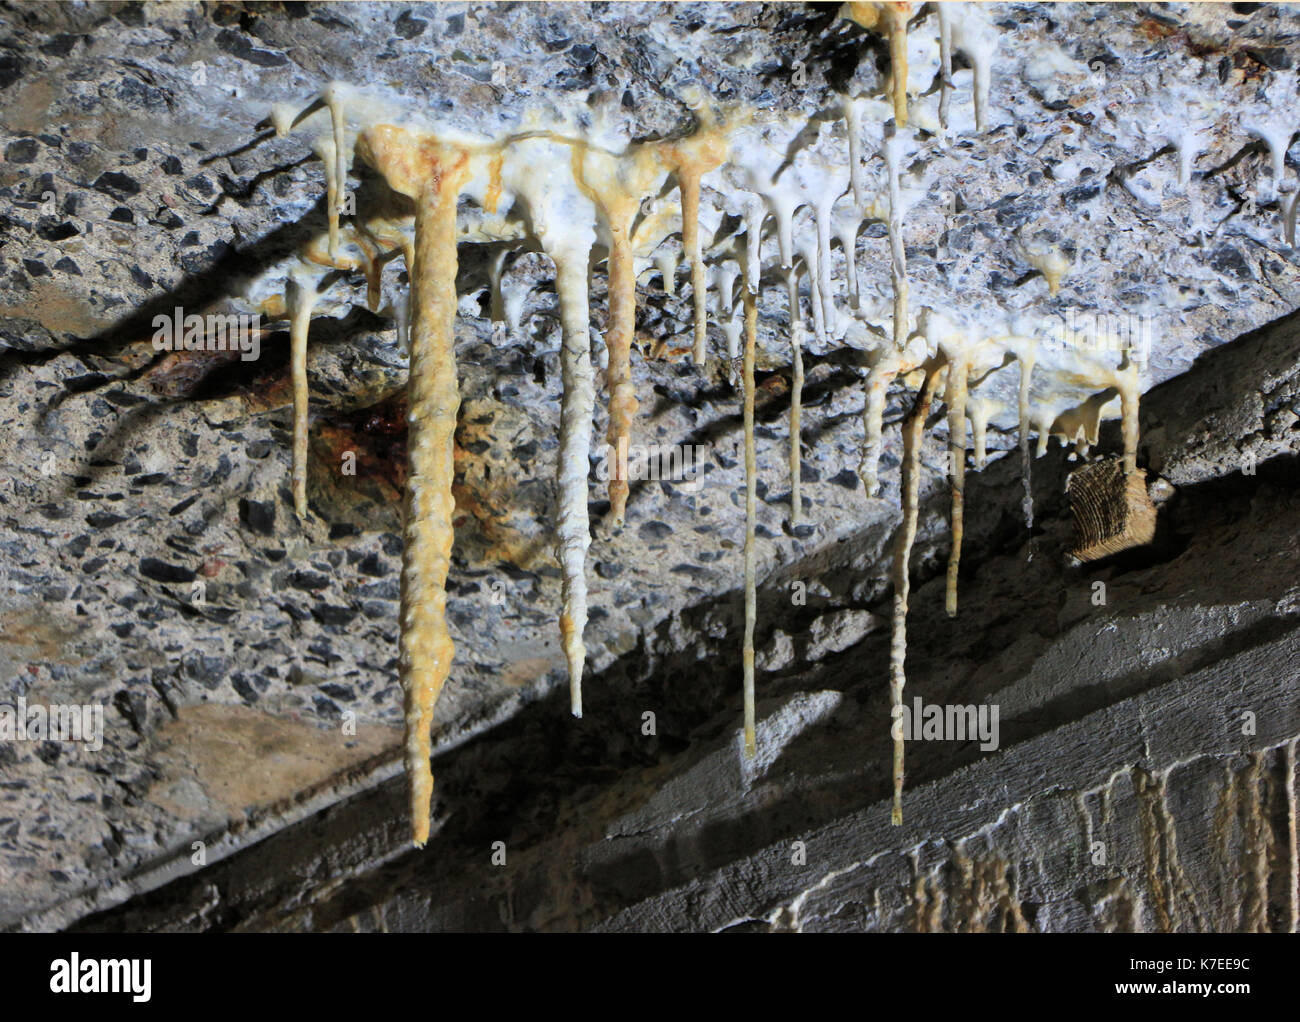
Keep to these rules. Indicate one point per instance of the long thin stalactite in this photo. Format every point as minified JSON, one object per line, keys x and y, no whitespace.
{"x":955,"y":399}
{"x":910,"y":487}
{"x":751,"y":513}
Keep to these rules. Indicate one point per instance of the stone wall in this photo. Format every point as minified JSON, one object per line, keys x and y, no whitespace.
{"x":1127,"y":793}
{"x":250,"y":775}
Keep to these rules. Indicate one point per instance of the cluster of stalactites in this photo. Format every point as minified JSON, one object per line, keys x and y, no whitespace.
{"x":570,"y":193}
{"x":962,"y":28}
{"x":957,"y":356}
{"x":569,"y":196}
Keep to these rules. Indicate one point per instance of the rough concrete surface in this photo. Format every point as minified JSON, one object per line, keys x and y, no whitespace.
{"x":1128,"y":790}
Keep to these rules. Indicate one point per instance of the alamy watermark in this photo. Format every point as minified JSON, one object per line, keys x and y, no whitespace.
{"x":1119,"y":332}
{"x":678,"y":463}
{"x":212,"y":332}
{"x":950,"y":722}
{"x":56,"y":722}
{"x":77,"y":975}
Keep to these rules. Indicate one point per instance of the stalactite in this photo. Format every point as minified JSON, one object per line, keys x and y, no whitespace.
{"x":666,"y":264}
{"x":326,"y":150}
{"x":945,"y":63}
{"x":301,"y":303}
{"x":563,"y":219}
{"x":724,"y":285}
{"x":618,"y":341}
{"x":426,"y":644}
{"x":1026,"y":361}
{"x":891,"y":20}
{"x":796,"y":400}
{"x":732,"y":327}
{"x":955,"y":399}
{"x":1277,"y":136}
{"x":575,"y":449}
{"x":913,"y":435}
{"x":825,"y":287}
{"x":976,"y":37}
{"x":754,"y":215}
{"x":1051,"y":264}
{"x":853,"y":126}
{"x":731,"y":318}
{"x":751,"y":513}
{"x":1080,"y":425}
{"x":617,"y":189}
{"x":884,"y":368}
{"x":495,"y":268}
{"x":371,"y":265}
{"x":689,"y":179}
{"x":783,"y":201}
{"x":893,"y":153}
{"x":338,"y":122}
{"x":847,"y":231}
{"x":897,"y":15}
{"x":808,"y":254}
{"x":691,"y":159}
